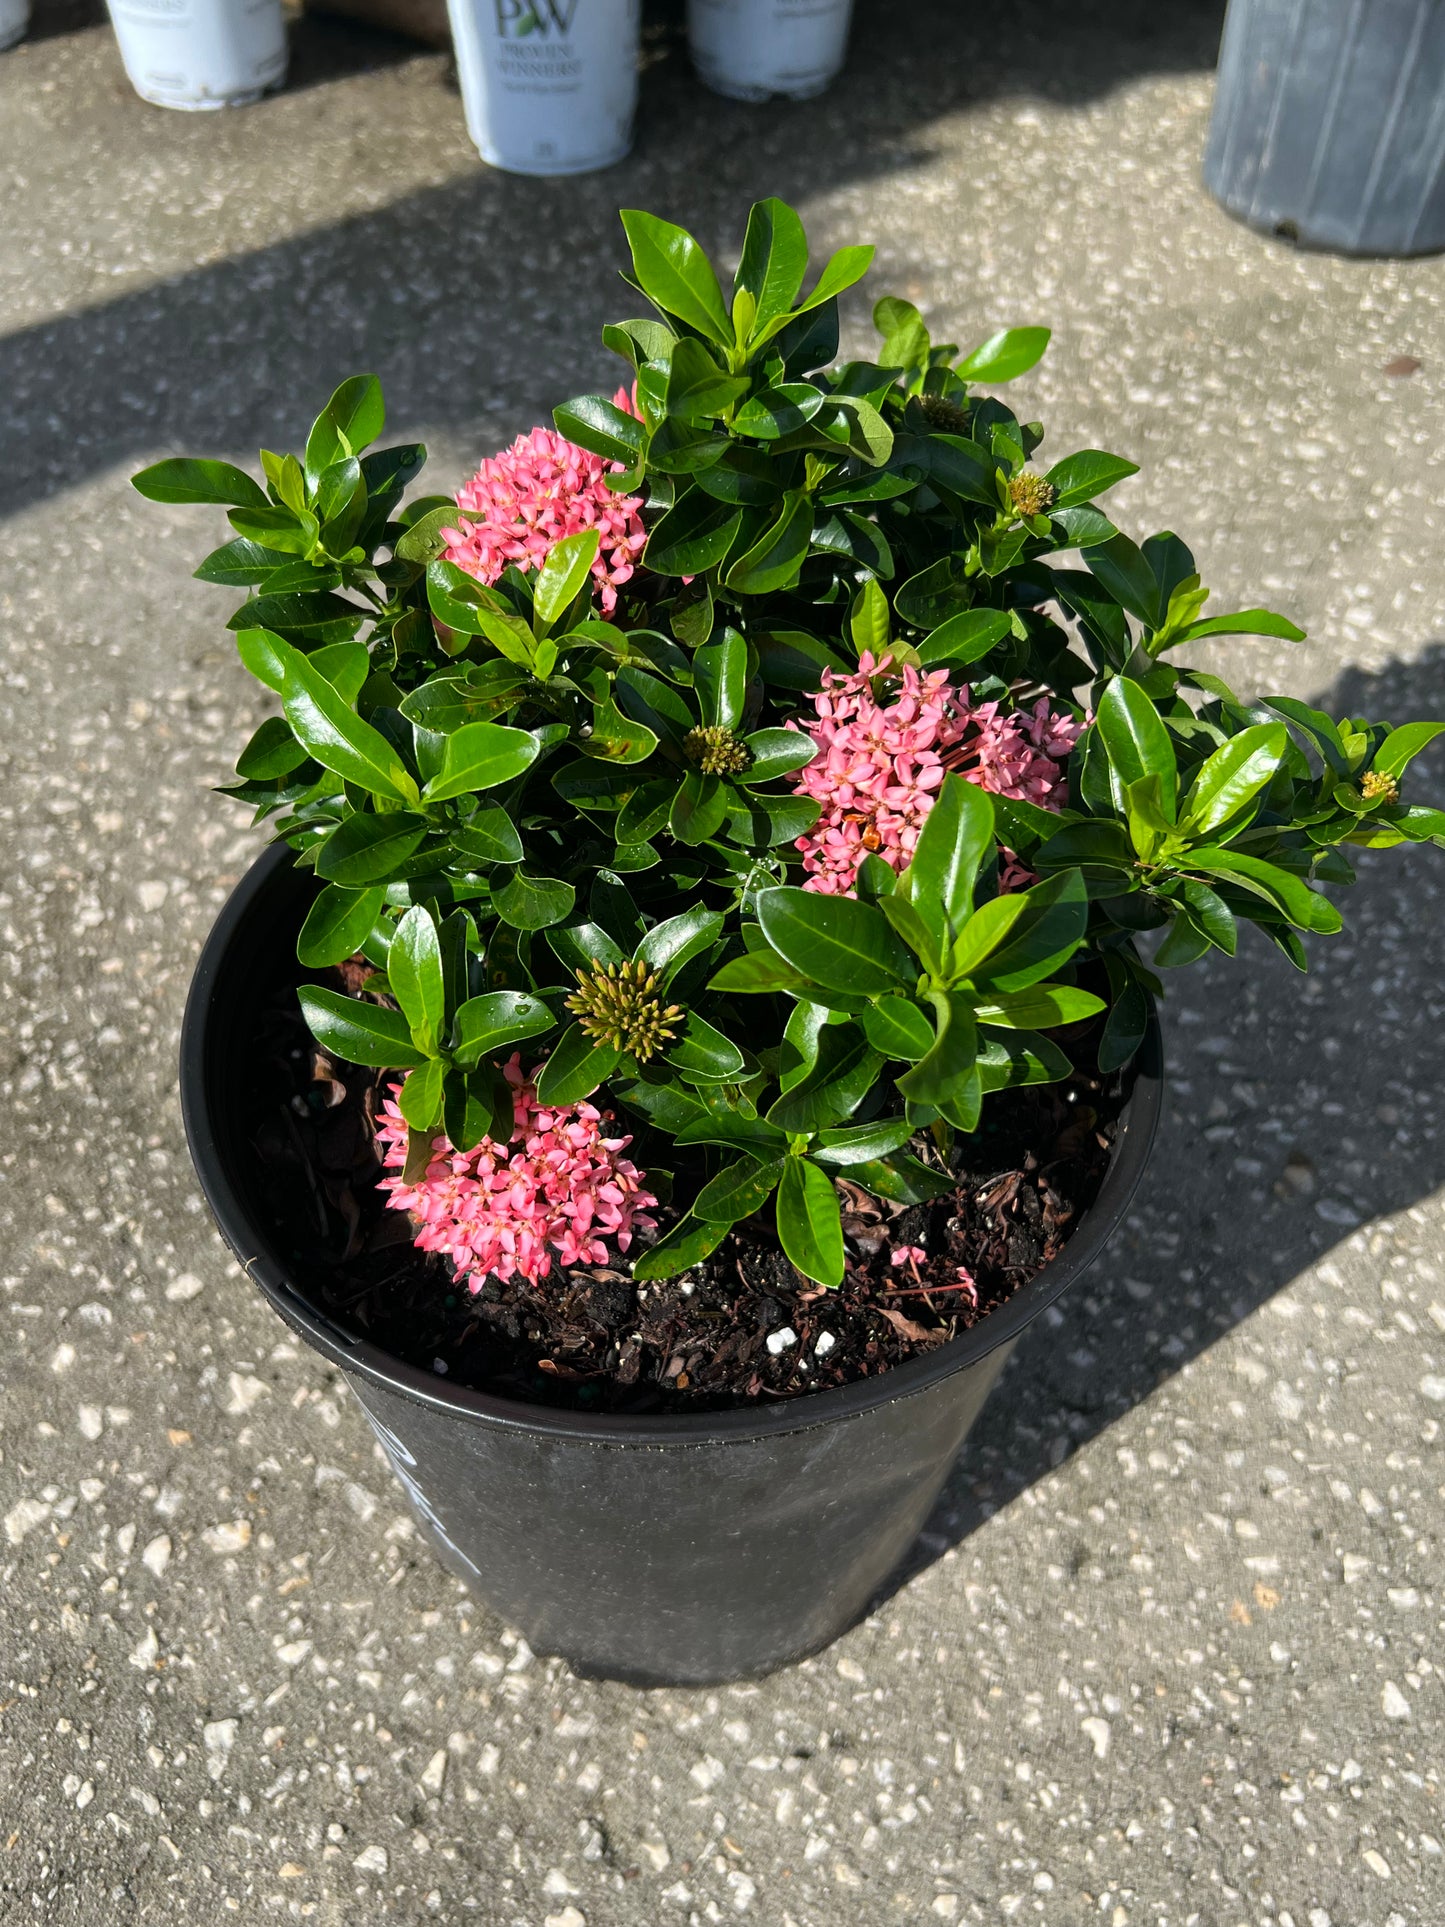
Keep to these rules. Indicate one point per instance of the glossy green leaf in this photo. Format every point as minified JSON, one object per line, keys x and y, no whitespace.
{"x":496,"y":1019}
{"x":479,"y":756}
{"x":686,"y":1245}
{"x":564,"y":574}
{"x":774,"y":260}
{"x":902,"y":1178}
{"x":575,"y":1068}
{"x":531,"y":902}
{"x":488,"y":836}
{"x":1079,"y":478}
{"x":1120,"y":568}
{"x":739,"y":1190}
{"x":703,"y":1055}
{"x":1234,"y":773}
{"x":602,"y":427}
{"x":956,"y":836}
{"x":1304,"y":907}
{"x":1004,"y":356}
{"x":840,"y":1077}
{"x":365,"y":849}
{"x":720,"y":676}
{"x":1137,"y":741}
{"x":336,"y":926}
{"x":357,"y":1032}
{"x":1044,"y":935}
{"x":1244,"y":622}
{"x":699,"y":808}
{"x":774,"y":560}
{"x":335,"y":735}
{"x":836,"y":941}
{"x":693,"y":536}
{"x":187,"y":480}
{"x":273,"y":751}
{"x":673,"y":271}
{"x":776,"y":752}
{"x":349,"y":423}
{"x":861,"y":1143}
{"x":675,"y":942}
{"x":946,"y":1073}
{"x":1402,"y":745}
{"x":414,"y":971}
{"x":897,"y":1028}
{"x":1039,"y":1007}
{"x":964,"y":638}
{"x":810,"y":1227}
{"x":761,"y":971}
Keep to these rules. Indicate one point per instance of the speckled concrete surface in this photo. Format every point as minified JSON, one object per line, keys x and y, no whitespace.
{"x":1169,"y":1652}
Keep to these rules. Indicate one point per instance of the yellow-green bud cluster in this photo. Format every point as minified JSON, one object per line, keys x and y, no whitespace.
{"x":620,"y":1005}
{"x":716,"y":751}
{"x":945,"y":415}
{"x":1378,"y":786}
{"x":1030,"y":494}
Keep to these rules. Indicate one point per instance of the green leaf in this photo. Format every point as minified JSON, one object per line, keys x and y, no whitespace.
{"x":1120,"y":567}
{"x":479,"y":756}
{"x":1045,"y":933}
{"x":562,"y":576}
{"x":489,"y":836}
{"x":699,"y":808}
{"x":359,"y":1033}
{"x":669,"y":945}
{"x":336,"y":926}
{"x":841,"y":1076}
{"x":273,"y":751}
{"x":476,"y":1105}
{"x":673,"y":271}
{"x":843,"y":270}
{"x":575,"y":1068}
{"x":792,"y":659}
{"x":345,"y":665}
{"x":1304,"y":907}
{"x":414,"y":971}
{"x":686,"y":1245}
{"x":739,"y":1189}
{"x":720,"y":672}
{"x":945,"y":1074}
{"x":964,"y":638}
{"x":1040,"y":1007}
{"x":861,"y":1143}
{"x":1402,"y":745}
{"x":868,"y":623}
{"x":693,"y":536}
{"x":776,"y":557}
{"x":810,"y":1227}
{"x":1125,"y":1028}
{"x":1020,"y":1057}
{"x":239,"y":563}
{"x":902,"y":1178}
{"x":1245,"y":622}
{"x":957,"y":835}
{"x":697,"y":391}
{"x":759,"y":972}
{"x":1236,"y":771}
{"x":335,"y":735}
{"x":1079,"y":478}
{"x":1004,"y":356}
{"x":309,"y":619}
{"x":532,"y":903}
{"x":499,"y":1017}
{"x":1137,"y":741}
{"x":279,"y":528}
{"x":365,"y":849}
{"x":420,"y":1098}
{"x":835,"y":941}
{"x":602,"y":427}
{"x":349,"y":423}
{"x":778,"y":411}
{"x":776,"y":752}
{"x":897,"y":1028}
{"x":703,"y":1055}
{"x":1210,"y":913}
{"x":187,"y":480}
{"x":774,"y":261}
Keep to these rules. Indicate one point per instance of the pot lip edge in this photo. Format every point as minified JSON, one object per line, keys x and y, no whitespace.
{"x":359,"y":1357}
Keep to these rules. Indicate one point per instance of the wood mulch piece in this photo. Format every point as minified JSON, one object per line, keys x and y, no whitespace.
{"x":589,"y":1339}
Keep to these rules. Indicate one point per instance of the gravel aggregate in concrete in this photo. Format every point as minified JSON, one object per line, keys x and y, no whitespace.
{"x":1168,"y":1654}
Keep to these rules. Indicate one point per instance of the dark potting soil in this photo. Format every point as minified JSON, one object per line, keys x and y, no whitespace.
{"x":741,"y":1328}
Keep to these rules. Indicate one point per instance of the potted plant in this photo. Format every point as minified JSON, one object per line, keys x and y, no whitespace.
{"x":755,"y":49}
{"x":549,"y":86}
{"x":696,"y":1012}
{"x":200,"y":54}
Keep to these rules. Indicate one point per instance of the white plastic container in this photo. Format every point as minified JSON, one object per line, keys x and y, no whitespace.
{"x":549,"y":86}
{"x":14,"y":20}
{"x":201,"y":53}
{"x":754,"y":49}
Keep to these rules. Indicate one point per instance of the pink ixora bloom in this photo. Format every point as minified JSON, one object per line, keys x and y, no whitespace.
{"x":520,"y":504}
{"x":880,"y":764}
{"x":559,"y":1187}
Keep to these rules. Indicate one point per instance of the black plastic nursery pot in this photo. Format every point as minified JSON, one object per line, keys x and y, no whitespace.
{"x":683,"y":1549}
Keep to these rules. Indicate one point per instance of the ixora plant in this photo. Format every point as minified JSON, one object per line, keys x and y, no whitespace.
{"x":757,"y":771}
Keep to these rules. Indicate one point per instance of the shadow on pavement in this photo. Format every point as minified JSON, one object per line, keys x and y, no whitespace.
{"x":480,"y":302}
{"x":1298,"y":1108}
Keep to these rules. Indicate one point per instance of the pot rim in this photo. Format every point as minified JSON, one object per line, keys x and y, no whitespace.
{"x":1137,"y":1126}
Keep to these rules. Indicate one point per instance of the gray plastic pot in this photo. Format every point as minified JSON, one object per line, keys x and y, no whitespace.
{"x":683,"y":1549}
{"x":1329,"y":122}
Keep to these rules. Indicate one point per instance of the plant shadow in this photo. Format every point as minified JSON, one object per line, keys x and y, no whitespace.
{"x":1297,"y":1109}
{"x":478,"y":301}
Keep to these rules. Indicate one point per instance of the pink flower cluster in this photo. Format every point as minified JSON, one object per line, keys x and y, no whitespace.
{"x":520,"y":504}
{"x":564,"y":1188}
{"x":880,"y":764}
